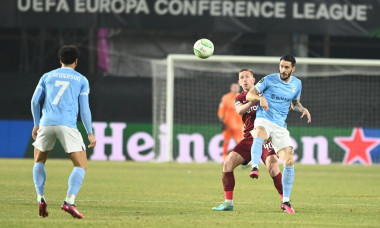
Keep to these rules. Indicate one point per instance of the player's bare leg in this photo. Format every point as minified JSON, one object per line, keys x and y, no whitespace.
{"x":237,"y":135}
{"x":227,"y":135}
{"x":39,"y":177}
{"x":79,"y":160}
{"x":233,"y":160}
{"x":286,"y":155}
{"x":274,"y":171}
{"x":225,"y":149}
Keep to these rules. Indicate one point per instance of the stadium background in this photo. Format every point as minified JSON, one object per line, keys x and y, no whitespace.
{"x":117,"y":42}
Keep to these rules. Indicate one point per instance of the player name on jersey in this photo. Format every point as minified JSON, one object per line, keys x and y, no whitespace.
{"x":65,"y":76}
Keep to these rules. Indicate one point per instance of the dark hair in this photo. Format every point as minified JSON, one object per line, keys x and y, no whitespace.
{"x":247,"y":70}
{"x":289,"y":58}
{"x":68,"y":54}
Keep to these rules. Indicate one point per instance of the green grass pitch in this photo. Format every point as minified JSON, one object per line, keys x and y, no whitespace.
{"x":130,"y":194}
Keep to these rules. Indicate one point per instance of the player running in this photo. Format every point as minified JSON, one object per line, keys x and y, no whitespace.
{"x":241,"y":153}
{"x":61,"y":89}
{"x":232,"y":124}
{"x":279,"y":90}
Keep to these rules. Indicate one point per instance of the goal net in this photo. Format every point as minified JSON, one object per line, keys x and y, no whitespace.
{"x":341,"y":95}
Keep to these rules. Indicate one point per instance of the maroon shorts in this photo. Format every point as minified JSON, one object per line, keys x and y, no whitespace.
{"x":244,"y":149}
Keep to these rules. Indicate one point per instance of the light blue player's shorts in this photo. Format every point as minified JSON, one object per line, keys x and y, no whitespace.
{"x":70,"y":138}
{"x":279,"y":136}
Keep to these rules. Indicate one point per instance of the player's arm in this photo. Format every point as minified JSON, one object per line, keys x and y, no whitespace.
{"x":291,"y":106}
{"x":243,"y":108}
{"x":38,"y":95}
{"x":297,"y":106}
{"x":253,"y":95}
{"x":85,"y":114}
{"x":221,"y":110}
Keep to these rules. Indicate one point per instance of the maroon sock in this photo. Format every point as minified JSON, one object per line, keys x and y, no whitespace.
{"x":277,"y":181}
{"x":228,"y":180}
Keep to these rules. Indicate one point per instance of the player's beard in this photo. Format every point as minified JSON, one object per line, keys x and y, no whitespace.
{"x":284,"y":76}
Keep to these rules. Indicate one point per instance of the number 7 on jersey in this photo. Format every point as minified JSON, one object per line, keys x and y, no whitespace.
{"x":64,"y":85}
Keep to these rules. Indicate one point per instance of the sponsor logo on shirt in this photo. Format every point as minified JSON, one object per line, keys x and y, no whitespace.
{"x":275,"y":97}
{"x":252,"y":108}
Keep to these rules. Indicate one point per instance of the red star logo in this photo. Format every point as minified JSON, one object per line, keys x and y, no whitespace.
{"x":357,"y":147}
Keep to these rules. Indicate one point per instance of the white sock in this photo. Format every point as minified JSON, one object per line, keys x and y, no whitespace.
{"x":230,"y":202}
{"x":285,"y":199}
{"x":39,"y":197}
{"x":70,"y":198}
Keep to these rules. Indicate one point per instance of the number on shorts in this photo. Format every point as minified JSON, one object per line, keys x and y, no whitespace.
{"x":64,"y":85}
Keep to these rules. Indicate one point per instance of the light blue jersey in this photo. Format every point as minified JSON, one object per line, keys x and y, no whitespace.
{"x":62,"y":89}
{"x":279,"y":95}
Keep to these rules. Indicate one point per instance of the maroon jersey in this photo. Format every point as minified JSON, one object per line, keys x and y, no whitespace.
{"x":244,"y":146}
{"x":248,"y":117}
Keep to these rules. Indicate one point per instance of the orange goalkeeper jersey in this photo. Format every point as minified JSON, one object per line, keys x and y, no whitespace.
{"x":227,"y":111}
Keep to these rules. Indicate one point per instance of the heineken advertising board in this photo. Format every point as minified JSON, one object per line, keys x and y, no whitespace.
{"x":118,"y":141}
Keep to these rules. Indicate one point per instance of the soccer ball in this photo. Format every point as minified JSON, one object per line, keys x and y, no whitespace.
{"x":203,"y":48}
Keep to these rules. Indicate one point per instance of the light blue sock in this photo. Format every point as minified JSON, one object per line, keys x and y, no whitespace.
{"x":39,"y":177}
{"x":256,"y":151}
{"x":75,"y":180}
{"x":287,"y":180}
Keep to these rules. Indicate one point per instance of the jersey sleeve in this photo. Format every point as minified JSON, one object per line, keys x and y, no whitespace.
{"x":238,"y":99}
{"x":85,"y":112}
{"x":298,"y":94}
{"x":262,"y":84}
{"x":85,"y":88}
{"x":38,"y":95}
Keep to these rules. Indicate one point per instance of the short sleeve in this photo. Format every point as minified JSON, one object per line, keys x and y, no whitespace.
{"x":262,"y":84}
{"x":298,"y":94}
{"x":238,"y":99}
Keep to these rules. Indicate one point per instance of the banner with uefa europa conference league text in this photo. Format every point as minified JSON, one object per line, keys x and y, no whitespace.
{"x":333,"y":17}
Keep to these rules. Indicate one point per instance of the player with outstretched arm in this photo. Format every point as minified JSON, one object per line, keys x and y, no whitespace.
{"x":241,"y":153}
{"x":278,"y":90}
{"x":61,"y":90}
